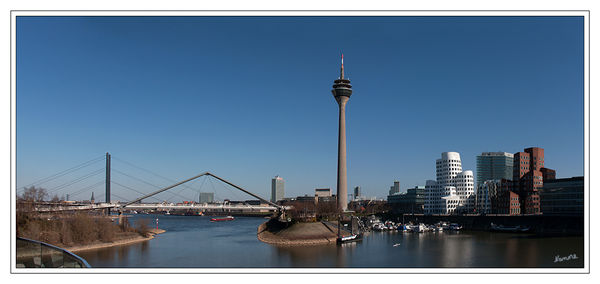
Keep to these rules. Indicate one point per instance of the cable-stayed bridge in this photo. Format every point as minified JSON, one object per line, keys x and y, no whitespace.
{"x":76,"y":184}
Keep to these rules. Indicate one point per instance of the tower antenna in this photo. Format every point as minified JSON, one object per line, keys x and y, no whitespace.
{"x":342,"y":69}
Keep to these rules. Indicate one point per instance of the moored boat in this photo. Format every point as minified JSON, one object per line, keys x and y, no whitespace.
{"x":350,"y":238}
{"x":454,"y":227}
{"x":514,"y":229}
{"x":419,"y":228}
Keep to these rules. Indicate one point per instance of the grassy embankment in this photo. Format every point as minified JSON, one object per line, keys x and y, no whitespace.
{"x":81,"y":230}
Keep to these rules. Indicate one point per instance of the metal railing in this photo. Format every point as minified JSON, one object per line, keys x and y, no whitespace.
{"x":36,"y":254}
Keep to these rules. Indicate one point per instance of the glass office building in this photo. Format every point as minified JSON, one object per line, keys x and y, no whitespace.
{"x":564,"y":196}
{"x":494,"y":166}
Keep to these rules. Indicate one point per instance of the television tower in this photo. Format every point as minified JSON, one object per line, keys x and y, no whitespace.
{"x":342,"y":90}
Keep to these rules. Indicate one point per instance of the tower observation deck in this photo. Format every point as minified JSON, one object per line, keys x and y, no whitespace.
{"x":342,"y":90}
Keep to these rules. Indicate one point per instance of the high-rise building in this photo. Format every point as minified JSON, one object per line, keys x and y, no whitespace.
{"x":206,"y":197}
{"x":357,"y":192}
{"x":494,"y":166}
{"x":395,"y":189}
{"x":277,"y":189}
{"x":453,"y":190}
{"x":528,"y":178}
{"x":342,"y":90}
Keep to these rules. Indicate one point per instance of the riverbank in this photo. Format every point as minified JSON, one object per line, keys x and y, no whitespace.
{"x":298,"y":234}
{"x":125,"y":241}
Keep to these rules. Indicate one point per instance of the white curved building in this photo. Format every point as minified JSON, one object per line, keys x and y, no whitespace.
{"x":453,"y":190}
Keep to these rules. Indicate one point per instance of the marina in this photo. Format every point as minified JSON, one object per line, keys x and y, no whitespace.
{"x":222,"y":242}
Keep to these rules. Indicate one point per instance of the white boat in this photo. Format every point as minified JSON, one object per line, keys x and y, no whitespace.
{"x":454,"y":227}
{"x":351,"y":238}
{"x":418,"y":228}
{"x":379,"y":227}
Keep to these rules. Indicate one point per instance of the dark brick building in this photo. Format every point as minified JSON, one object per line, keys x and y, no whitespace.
{"x":506,"y":202}
{"x":528,"y":178}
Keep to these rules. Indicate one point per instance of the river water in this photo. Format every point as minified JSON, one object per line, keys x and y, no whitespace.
{"x":195,"y":242}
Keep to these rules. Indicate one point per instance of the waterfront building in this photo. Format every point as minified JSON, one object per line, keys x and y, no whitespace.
{"x":395,"y":189}
{"x":465,"y":189}
{"x":306,"y":198}
{"x":450,"y":201}
{"x":563,"y":196}
{"x":454,"y":188}
{"x":322,"y":192}
{"x":92,"y":200}
{"x":277,"y":189}
{"x":433,"y":198}
{"x":528,"y":178}
{"x":324,"y":195}
{"x":485,"y":192}
{"x":410,"y":202}
{"x":489,"y":194}
{"x":494,"y":166}
{"x":506,"y":202}
{"x":548,"y":174}
{"x":342,"y":90}
{"x":206,"y":197}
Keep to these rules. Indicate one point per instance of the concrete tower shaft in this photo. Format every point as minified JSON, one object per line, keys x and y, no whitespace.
{"x":342,"y":90}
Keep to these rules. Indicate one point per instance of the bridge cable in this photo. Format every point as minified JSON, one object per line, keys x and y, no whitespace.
{"x":182,"y":189}
{"x":153,"y":196}
{"x":62,"y":173}
{"x":124,"y":199}
{"x":153,"y":185}
{"x":86,"y":188}
{"x":56,"y":189}
{"x":138,"y":179}
{"x":213,"y":187}
{"x":146,"y":170}
{"x":235,"y":194}
{"x":201,"y":185}
{"x":127,"y":187}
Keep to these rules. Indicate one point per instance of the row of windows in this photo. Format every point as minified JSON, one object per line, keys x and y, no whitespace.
{"x":451,"y":161}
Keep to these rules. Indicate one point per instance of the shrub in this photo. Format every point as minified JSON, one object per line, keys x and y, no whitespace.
{"x":142,"y":227}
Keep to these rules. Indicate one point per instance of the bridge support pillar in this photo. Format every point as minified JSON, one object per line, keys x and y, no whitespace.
{"x":107,"y":183}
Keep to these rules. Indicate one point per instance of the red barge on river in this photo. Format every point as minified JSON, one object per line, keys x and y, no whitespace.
{"x":228,"y":218}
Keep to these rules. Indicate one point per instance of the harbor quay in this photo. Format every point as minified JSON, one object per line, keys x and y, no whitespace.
{"x":537,"y":224}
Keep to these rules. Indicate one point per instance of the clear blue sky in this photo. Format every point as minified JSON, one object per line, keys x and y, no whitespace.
{"x":249,"y":98}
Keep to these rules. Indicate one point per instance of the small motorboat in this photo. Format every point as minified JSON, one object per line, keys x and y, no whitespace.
{"x":350,"y":238}
{"x":227,"y":218}
{"x":419,"y":228}
{"x":454,"y":227}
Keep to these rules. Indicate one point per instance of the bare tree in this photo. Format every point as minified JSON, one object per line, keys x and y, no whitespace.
{"x":34,"y":194}
{"x":55,"y":199}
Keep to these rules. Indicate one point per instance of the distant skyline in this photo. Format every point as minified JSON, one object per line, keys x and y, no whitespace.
{"x":248,"y":98}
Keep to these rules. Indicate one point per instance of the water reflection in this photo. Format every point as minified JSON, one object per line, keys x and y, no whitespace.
{"x":195,"y":242}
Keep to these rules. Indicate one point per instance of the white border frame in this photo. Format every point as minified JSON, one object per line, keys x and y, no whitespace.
{"x":582,"y":13}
